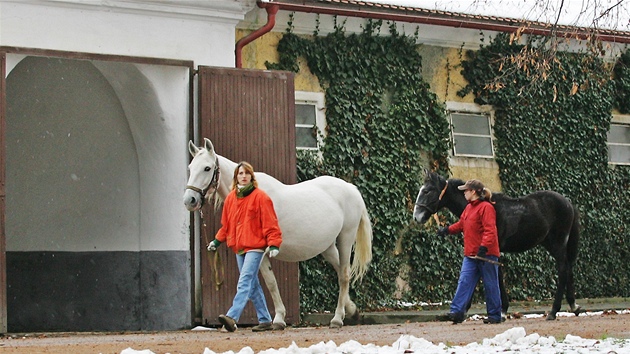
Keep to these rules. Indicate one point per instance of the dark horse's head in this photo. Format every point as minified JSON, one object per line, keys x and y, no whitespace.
{"x":436,"y":193}
{"x":429,"y":197}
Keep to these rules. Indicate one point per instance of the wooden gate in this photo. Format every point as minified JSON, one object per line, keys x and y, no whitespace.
{"x":249,"y":115}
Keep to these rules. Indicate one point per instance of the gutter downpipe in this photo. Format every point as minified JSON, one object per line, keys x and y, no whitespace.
{"x":471,"y":24}
{"x":272,"y":10}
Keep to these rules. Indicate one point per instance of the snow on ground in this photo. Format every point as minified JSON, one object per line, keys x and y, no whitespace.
{"x":514,"y":340}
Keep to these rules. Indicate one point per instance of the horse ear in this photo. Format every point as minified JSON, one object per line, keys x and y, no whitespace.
{"x":208,"y":145}
{"x":427,"y":174}
{"x":192,"y":148}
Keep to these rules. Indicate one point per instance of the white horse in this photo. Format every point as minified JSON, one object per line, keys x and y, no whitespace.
{"x":325,"y":215}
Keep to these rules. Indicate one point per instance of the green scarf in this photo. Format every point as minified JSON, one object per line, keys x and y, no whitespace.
{"x":245,"y":191}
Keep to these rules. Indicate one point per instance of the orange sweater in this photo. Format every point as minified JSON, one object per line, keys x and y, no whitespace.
{"x":249,"y":223}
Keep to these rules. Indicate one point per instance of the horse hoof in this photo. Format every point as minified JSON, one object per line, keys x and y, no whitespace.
{"x":278,"y":326}
{"x":551,"y":317}
{"x":577,"y":310}
{"x":336,"y":324}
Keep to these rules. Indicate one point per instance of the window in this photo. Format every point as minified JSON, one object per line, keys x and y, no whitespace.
{"x":309,"y":120}
{"x":619,"y":141}
{"x":472,"y":134}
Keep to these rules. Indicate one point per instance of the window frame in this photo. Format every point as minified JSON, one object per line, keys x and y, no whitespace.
{"x":470,"y":109}
{"x":318,"y":100}
{"x":623,"y":120}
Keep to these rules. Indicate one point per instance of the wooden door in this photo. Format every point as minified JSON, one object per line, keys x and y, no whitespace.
{"x":249,"y":115}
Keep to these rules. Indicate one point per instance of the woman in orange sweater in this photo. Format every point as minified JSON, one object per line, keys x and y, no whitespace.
{"x":249,"y":225}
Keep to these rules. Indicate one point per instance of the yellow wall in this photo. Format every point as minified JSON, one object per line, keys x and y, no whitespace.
{"x":440,"y":68}
{"x":265,"y":49}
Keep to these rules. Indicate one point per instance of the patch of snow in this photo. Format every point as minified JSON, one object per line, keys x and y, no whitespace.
{"x":514,"y":340}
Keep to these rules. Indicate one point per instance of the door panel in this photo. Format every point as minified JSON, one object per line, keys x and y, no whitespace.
{"x":249,"y":115}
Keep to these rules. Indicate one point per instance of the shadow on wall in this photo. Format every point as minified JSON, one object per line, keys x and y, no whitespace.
{"x":74,"y":212}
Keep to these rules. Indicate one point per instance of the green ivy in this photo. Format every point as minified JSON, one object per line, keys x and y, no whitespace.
{"x":622,"y":83}
{"x":384,"y":125}
{"x":551,"y":134}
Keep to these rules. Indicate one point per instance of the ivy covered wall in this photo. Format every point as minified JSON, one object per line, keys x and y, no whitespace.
{"x":551,"y":134}
{"x":385,"y":125}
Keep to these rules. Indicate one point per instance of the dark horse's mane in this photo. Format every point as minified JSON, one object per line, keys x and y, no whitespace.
{"x":543,"y":218}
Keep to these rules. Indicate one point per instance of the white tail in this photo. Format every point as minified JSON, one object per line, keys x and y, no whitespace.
{"x":362,"y":248}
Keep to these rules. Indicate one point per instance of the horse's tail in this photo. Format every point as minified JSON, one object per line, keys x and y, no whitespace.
{"x":362,"y":248}
{"x":574,"y":237}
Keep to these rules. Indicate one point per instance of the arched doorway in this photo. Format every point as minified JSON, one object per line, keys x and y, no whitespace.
{"x":93,"y":213}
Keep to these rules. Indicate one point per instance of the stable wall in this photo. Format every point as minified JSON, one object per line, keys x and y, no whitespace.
{"x":441,"y":49}
{"x":96,"y":233}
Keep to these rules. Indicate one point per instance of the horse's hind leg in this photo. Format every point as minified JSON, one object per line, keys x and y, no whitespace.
{"x":343,"y":276}
{"x":272,"y":286}
{"x":572,"y":253}
{"x":563,"y":268}
{"x":575,"y":308}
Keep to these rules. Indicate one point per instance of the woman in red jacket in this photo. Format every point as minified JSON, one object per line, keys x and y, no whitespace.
{"x":249,"y":225}
{"x":481,"y":240}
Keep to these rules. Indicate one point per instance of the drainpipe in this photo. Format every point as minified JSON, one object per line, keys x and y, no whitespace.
{"x":272,"y":10}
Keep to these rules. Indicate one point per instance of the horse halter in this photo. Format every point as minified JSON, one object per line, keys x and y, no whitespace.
{"x":437,"y":202}
{"x":214,"y":183}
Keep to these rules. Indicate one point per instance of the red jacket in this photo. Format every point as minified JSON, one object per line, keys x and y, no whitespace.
{"x":249,"y":223}
{"x":479,"y":224}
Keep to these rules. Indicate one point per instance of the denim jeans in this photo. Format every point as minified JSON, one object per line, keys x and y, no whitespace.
{"x":472,"y":270}
{"x":248,"y":287}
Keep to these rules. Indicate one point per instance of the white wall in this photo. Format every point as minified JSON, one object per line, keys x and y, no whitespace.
{"x":202,"y":31}
{"x":154,"y":102}
{"x":96,"y":156}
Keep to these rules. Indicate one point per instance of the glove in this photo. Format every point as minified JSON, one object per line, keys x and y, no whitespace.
{"x":273,"y":251}
{"x":482,"y":251}
{"x":212,"y":246}
{"x":442,"y":231}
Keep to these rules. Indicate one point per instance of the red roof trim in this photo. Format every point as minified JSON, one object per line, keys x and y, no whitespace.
{"x":353,"y":8}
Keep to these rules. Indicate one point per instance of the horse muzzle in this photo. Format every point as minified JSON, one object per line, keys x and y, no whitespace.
{"x":193,"y":200}
{"x":421,"y":215}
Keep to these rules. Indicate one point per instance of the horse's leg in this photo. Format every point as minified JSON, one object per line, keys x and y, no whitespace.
{"x":561,"y":266}
{"x":343,"y":278}
{"x":272,"y":286}
{"x":572,"y":252}
{"x":505,"y":300}
{"x":576,"y":309}
{"x":558,"y":245}
{"x":559,"y":253}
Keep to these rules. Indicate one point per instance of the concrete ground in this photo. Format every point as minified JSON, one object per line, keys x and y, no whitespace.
{"x":428,"y":313}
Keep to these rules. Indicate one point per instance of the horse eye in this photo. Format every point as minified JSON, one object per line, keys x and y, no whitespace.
{"x":207,"y":168}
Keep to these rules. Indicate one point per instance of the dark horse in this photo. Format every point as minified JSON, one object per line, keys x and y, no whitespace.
{"x":542,"y":218}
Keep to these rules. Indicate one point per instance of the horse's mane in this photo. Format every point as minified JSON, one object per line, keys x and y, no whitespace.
{"x":217,"y":201}
{"x":456,"y":182}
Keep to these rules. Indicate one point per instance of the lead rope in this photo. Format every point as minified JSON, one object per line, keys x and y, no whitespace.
{"x":215,"y":264}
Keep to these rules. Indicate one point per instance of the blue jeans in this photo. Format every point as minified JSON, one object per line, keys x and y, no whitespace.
{"x":248,"y":288}
{"x":472,"y":270}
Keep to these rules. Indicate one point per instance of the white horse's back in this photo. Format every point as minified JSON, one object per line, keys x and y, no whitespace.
{"x":312,"y":213}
